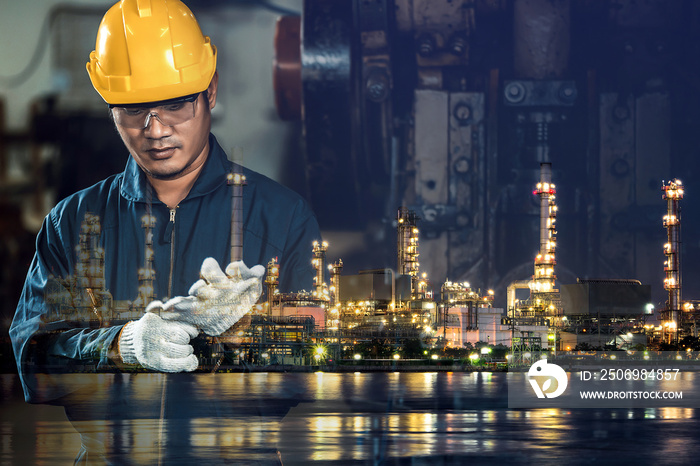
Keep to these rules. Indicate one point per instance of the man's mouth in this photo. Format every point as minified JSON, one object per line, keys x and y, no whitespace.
{"x":162,"y":152}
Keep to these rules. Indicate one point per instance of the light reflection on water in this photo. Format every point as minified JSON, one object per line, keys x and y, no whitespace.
{"x":365,"y":418}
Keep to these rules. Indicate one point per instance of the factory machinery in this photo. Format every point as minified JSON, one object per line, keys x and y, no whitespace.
{"x":449,"y":107}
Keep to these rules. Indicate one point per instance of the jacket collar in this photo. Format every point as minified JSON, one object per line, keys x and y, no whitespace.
{"x":134,"y":185}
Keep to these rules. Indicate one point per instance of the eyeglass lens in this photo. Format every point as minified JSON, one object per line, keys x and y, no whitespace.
{"x":169,"y":115}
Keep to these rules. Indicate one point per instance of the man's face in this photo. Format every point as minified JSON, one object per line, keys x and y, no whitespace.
{"x":170,"y":152}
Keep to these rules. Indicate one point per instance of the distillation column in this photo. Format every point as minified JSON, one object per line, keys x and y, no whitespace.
{"x":335,"y":270}
{"x":673,"y":193}
{"x":407,"y":246}
{"x":544,"y":278}
{"x":333,"y":313}
{"x":319,"y":263}
{"x":272,"y":282}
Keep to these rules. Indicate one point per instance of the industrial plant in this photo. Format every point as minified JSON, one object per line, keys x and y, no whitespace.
{"x":398,"y":314}
{"x":395,"y":307}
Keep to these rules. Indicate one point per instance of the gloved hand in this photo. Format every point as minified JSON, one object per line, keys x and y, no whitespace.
{"x":219,"y":299}
{"x":158,"y":344}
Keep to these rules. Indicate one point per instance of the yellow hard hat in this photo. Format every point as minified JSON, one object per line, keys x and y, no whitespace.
{"x":150,"y":50}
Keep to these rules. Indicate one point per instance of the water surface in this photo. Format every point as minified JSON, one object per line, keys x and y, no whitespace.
{"x":352,"y":418}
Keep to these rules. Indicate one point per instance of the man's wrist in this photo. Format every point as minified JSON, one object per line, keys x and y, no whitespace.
{"x":117,"y":347}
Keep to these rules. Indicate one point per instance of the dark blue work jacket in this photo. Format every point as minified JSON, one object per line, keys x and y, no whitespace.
{"x":276,"y":223}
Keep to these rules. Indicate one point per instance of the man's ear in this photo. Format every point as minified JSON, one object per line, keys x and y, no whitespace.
{"x":212,"y":89}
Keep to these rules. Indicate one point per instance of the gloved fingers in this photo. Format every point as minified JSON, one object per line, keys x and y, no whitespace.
{"x":211,"y":272}
{"x":205,"y":291}
{"x":194,"y":289}
{"x":176,"y":307}
{"x":171,"y":303}
{"x":175,"y":350}
{"x":179,"y":332}
{"x":154,"y":306}
{"x":187,"y":364}
{"x":183,"y":313}
{"x":238,"y":270}
{"x":245,"y":286}
{"x":212,"y":295}
{"x":190,"y":329}
{"x":257,"y":271}
{"x":252,"y":287}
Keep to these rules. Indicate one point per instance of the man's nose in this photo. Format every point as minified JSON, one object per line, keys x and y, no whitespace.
{"x":154,"y":126}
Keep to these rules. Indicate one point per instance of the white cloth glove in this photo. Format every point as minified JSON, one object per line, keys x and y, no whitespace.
{"x":158,"y":344}
{"x":218,"y":300}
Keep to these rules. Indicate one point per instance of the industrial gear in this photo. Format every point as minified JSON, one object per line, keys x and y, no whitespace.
{"x":276,"y":223}
{"x":170,"y":113}
{"x":149,"y":51}
{"x":158,"y":344}
{"x":218,"y":300}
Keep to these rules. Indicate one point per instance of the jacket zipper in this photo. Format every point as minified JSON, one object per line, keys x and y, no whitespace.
{"x":172,"y":252}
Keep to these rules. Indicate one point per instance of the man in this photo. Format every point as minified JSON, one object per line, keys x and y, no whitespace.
{"x":162,"y":228}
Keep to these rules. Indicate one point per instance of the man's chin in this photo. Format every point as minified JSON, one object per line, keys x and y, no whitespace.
{"x":165,"y":174}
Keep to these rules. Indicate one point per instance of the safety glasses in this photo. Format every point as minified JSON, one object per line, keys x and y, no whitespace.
{"x":169,"y":112}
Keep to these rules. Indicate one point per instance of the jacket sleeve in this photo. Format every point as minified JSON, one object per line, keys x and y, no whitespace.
{"x":47,"y":337}
{"x":296,"y":271}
